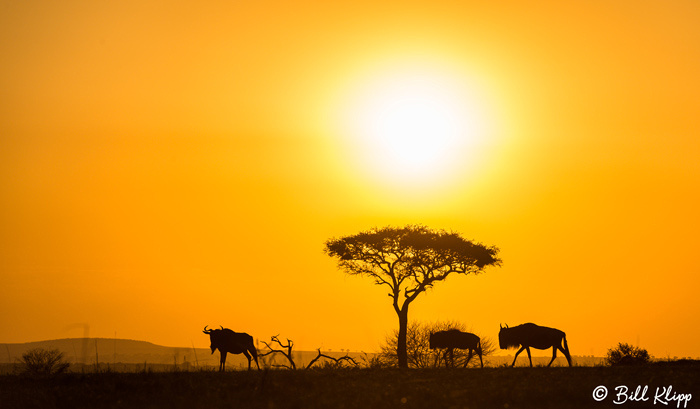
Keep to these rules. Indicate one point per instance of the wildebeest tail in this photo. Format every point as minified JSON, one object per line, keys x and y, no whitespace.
{"x":566,"y":351}
{"x":253,"y":349}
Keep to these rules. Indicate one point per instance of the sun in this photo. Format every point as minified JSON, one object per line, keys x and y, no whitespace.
{"x":415,"y":126}
{"x":413,"y":123}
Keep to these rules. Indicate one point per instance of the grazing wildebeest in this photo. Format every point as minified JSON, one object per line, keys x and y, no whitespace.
{"x":531,"y":335}
{"x":455,"y":338}
{"x":227,"y":341}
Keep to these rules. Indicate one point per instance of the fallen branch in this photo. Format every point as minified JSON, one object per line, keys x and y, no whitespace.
{"x":287,"y":354}
{"x":336,"y":360}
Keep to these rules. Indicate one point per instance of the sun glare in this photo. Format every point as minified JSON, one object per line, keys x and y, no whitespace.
{"x":415,"y":126}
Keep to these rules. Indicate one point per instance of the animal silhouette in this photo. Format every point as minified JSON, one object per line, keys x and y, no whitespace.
{"x":454,"y":338}
{"x":227,"y":341}
{"x":531,"y":335}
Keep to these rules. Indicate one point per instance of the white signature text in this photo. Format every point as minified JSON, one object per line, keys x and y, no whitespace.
{"x":663,"y":395}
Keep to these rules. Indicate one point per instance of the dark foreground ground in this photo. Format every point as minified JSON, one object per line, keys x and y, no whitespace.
{"x":362,"y":388}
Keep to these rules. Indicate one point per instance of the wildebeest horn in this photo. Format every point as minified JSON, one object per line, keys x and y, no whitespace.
{"x":222,"y":327}
{"x":206,"y":331}
{"x":500,"y":325}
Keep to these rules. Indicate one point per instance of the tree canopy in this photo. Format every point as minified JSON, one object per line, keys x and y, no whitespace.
{"x":410,"y":259}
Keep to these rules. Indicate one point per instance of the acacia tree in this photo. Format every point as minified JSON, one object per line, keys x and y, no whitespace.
{"x":409,"y":260}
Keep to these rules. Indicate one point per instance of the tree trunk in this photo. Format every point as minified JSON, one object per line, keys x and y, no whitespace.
{"x":401,"y":351}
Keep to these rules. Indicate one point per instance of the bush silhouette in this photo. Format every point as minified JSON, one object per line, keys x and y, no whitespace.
{"x":626,"y":354}
{"x":418,"y":346}
{"x":40,"y":361}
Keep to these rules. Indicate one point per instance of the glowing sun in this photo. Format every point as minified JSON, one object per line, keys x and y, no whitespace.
{"x":415,"y":126}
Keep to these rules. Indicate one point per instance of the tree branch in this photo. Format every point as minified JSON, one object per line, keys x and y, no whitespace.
{"x":287,"y":354}
{"x":336,"y":360}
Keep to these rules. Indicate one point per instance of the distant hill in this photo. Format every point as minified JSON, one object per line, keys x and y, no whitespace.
{"x":110,"y":350}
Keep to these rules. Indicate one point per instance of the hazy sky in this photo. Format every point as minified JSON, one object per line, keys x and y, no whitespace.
{"x":170,"y":165}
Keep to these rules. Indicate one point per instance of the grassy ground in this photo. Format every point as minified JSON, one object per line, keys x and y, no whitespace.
{"x":351,"y":388}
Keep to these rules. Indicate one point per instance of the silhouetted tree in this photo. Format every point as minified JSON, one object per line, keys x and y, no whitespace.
{"x":418,"y":346}
{"x":409,"y":260}
{"x":626,"y":354}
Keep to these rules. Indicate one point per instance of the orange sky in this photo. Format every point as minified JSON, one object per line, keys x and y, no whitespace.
{"x":170,"y":165}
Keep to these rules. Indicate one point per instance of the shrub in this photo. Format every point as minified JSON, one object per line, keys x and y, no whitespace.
{"x":626,"y":354}
{"x":40,"y":361}
{"x":418,"y":346}
{"x":377,"y":362}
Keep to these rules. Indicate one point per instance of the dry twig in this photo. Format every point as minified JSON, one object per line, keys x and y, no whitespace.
{"x":287,"y":354}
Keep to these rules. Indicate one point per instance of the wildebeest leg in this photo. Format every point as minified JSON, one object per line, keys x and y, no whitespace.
{"x":528,"y":355}
{"x":254,"y":352}
{"x":554,"y":355}
{"x":247,"y":355}
{"x":518,"y":353}
{"x":469,"y":358}
{"x":222,"y":363}
{"x":480,"y":360}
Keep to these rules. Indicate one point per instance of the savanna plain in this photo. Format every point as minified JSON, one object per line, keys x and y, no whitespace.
{"x":333,"y":387}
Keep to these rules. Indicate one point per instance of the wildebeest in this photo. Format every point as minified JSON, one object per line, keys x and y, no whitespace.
{"x":227,"y":341}
{"x":455,"y":338}
{"x":531,"y":335}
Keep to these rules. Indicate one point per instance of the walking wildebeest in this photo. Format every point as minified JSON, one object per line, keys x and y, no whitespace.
{"x":455,"y":338}
{"x":531,"y":335}
{"x":227,"y":341}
